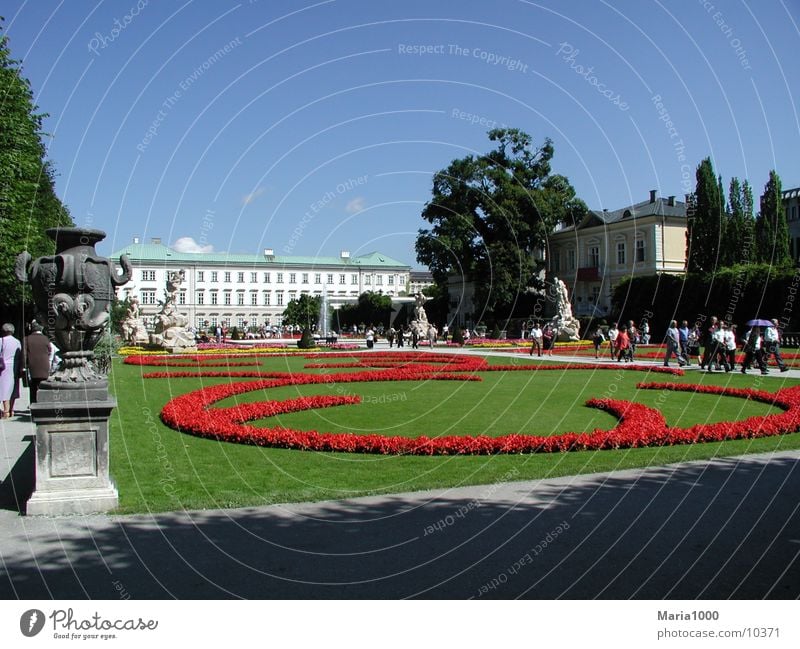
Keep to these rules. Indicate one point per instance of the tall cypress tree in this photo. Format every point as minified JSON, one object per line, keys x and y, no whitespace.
{"x":706,"y":223}
{"x":28,"y":203}
{"x":772,"y":231}
{"x":739,"y":241}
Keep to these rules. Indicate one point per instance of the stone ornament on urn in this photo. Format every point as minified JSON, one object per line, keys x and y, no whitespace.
{"x":73,"y":291}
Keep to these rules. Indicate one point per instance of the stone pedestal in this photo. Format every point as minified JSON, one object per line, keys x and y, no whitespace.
{"x":72,"y":451}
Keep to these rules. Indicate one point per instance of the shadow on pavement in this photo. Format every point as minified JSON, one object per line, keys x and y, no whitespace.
{"x":729,"y":529}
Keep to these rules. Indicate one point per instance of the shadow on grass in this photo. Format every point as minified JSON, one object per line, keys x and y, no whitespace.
{"x":726,"y":530}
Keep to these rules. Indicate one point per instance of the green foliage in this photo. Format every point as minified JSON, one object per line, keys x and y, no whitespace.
{"x":772,"y":231}
{"x":495,"y":333}
{"x":738,"y":244}
{"x":489,"y":213}
{"x":458,"y":336}
{"x":371,"y":309}
{"x":705,"y":221}
{"x":736,"y":294}
{"x":28,"y":204}
{"x":119,"y":309}
{"x":303,"y":311}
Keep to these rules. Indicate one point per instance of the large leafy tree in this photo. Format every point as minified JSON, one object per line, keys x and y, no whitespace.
{"x":706,"y":220}
{"x":28,"y":203}
{"x":371,"y":309}
{"x":490,"y":213}
{"x":772,"y":231}
{"x":303,"y":311}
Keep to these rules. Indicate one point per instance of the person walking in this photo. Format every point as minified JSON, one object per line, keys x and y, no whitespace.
{"x":673,"y":340}
{"x":38,"y":352}
{"x":729,"y":339}
{"x":613,"y":332}
{"x":11,"y":353}
{"x":709,"y":345}
{"x":536,"y":339}
{"x":772,"y":345}
{"x":720,"y":359}
{"x":548,"y":339}
{"x":683,"y":336}
{"x":754,"y":350}
{"x":598,"y":339}
{"x":390,"y":336}
{"x":623,"y":345}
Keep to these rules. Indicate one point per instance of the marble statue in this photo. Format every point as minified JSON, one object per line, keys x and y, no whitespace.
{"x":133,"y":330}
{"x":567,"y":325}
{"x":171,"y":326}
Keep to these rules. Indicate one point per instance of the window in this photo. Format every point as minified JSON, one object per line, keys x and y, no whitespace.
{"x":182,"y":297}
{"x":305,"y":278}
{"x":640,"y":250}
{"x":279,"y":297}
{"x":391,"y":280}
{"x":594,"y":257}
{"x":571,"y":259}
{"x":214,"y":276}
{"x":214,"y":297}
{"x":342,"y":278}
{"x":354,"y":280}
{"x":240,"y":322}
{"x":200,"y":322}
{"x":200,"y":297}
{"x":200,"y":276}
{"x":214,"y":321}
{"x":254,"y":298}
{"x":280,"y":278}
{"x":318,"y":278}
{"x":595,"y":294}
{"x":253,"y":278}
{"x":266,"y":278}
{"x":293,"y":278}
{"x":621,"y":253}
{"x":148,"y":297}
{"x":227,"y":276}
{"x":556,"y":265}
{"x":240,"y":298}
{"x":330,"y":278}
{"x":379,"y":280}
{"x":367,"y":280}
{"x":148,"y":276}
{"x":240,"y":278}
{"x":227,"y":299}
{"x":266,"y":298}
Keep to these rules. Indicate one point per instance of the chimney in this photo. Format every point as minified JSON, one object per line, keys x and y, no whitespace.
{"x":671,"y":201}
{"x":345,"y":254}
{"x":653,"y":193}
{"x":136,"y":239}
{"x":156,"y":241}
{"x":269,"y":252}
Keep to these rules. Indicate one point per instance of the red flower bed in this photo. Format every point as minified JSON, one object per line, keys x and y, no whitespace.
{"x":638,"y":425}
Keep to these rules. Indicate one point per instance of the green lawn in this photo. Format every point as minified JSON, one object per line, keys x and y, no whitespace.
{"x":159,"y":469}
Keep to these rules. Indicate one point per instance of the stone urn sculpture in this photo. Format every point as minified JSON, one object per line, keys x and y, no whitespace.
{"x":73,"y":291}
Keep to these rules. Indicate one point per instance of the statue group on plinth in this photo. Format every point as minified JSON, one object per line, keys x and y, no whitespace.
{"x":420,"y":322}
{"x":171,"y":331}
{"x":564,"y":322}
{"x":133,"y":330}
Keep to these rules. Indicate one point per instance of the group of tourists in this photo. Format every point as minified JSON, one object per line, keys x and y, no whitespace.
{"x":543,"y":339}
{"x":30,"y":361}
{"x":720,"y":342}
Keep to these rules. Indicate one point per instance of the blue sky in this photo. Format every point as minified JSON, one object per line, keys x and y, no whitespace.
{"x":311,"y":127}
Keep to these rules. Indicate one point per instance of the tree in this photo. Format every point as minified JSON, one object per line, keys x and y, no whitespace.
{"x":303,"y":311}
{"x":705,"y":221}
{"x":738,"y":245}
{"x":772,"y":231}
{"x":28,"y":203}
{"x":372,"y":308}
{"x":490,"y":213}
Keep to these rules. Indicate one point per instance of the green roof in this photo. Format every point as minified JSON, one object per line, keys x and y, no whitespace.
{"x":149,"y":252}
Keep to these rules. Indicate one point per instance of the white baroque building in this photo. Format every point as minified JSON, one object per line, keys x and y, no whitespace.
{"x":233,"y":289}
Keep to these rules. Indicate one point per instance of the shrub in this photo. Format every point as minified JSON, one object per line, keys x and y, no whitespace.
{"x":306,"y":340}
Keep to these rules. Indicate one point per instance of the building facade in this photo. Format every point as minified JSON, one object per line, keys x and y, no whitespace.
{"x":791,"y":203}
{"x":244,"y":290}
{"x":608,"y":246}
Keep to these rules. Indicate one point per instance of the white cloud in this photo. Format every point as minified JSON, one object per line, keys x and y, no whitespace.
{"x":249,"y":198}
{"x":356,"y":205}
{"x":188,"y":244}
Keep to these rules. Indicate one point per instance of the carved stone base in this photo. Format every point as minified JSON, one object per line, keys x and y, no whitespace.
{"x":72,"y":452}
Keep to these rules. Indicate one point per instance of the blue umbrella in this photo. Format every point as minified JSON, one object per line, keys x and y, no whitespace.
{"x":759,"y":323}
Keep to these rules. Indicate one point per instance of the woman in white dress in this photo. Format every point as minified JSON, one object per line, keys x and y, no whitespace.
{"x":9,"y":378}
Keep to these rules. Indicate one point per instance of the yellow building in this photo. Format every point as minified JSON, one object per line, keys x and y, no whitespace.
{"x":608,"y":246}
